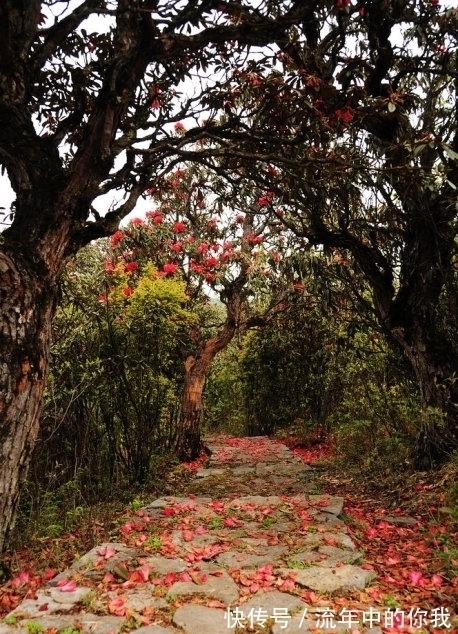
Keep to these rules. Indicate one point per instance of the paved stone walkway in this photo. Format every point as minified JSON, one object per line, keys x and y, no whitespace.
{"x":249,"y":549}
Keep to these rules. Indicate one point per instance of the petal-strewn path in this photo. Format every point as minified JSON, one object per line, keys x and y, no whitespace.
{"x":254,"y":547}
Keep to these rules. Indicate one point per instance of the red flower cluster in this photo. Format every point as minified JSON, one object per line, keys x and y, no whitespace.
{"x":179,"y":227}
{"x":116,"y":238}
{"x":170,"y":268}
{"x":265,"y":199}
{"x":155,"y":101}
{"x":130,"y":266}
{"x":156,"y":216}
{"x":211,"y":262}
{"x":254,"y":239}
{"x":343,"y":116}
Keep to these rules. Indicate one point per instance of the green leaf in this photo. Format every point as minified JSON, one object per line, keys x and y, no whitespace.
{"x":450,"y":153}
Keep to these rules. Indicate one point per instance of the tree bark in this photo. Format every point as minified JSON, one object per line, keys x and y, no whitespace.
{"x":433,"y":365}
{"x":27,"y":307}
{"x":189,"y":446}
{"x":197,"y":366}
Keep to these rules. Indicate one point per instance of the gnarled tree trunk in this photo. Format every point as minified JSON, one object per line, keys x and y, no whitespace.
{"x":197,"y":366}
{"x":27,"y":308}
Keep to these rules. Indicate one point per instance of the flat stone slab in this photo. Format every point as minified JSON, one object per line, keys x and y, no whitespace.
{"x":268,"y":601}
{"x":257,"y":500}
{"x":184,"y":502}
{"x":330,"y":580}
{"x":95,"y":563}
{"x":327,"y":556}
{"x":90,"y":623}
{"x":334,"y":503}
{"x":316,"y":539}
{"x":241,"y":471}
{"x":291,"y":469}
{"x":50,"y":601}
{"x":222,"y":587}
{"x":198,"y":619}
{"x":207,"y":473}
{"x":155,"y":629}
{"x":163,"y":565}
{"x":137,"y":599}
{"x":241,"y":559}
{"x":399,"y":520}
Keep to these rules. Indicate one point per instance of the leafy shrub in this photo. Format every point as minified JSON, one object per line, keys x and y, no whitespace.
{"x":379,"y":415}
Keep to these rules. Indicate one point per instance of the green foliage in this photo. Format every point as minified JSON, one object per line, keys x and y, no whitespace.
{"x":379,"y":415}
{"x":224,"y":393}
{"x":113,"y":393}
{"x":33,"y":627}
{"x":290,"y":367}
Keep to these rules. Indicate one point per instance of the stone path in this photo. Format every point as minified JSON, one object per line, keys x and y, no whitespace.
{"x":250,"y":549}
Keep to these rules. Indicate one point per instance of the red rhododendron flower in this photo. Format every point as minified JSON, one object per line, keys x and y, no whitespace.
{"x":116,"y":238}
{"x":179,"y":227}
{"x":136,"y":222}
{"x":179,"y":127}
{"x":272,"y":171}
{"x":177,"y":247}
{"x":127,"y":291}
{"x":211,"y":262}
{"x":254,"y":239}
{"x":155,"y":102}
{"x":343,"y":115}
{"x":264,"y":200}
{"x":130,"y":266}
{"x":196,"y":268}
{"x":170,"y":268}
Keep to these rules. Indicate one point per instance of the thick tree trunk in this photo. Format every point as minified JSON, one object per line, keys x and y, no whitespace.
{"x":27,"y":306}
{"x":189,"y":446}
{"x":433,"y":365}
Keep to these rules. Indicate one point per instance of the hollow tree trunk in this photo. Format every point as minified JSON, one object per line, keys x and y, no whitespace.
{"x":27,"y":306}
